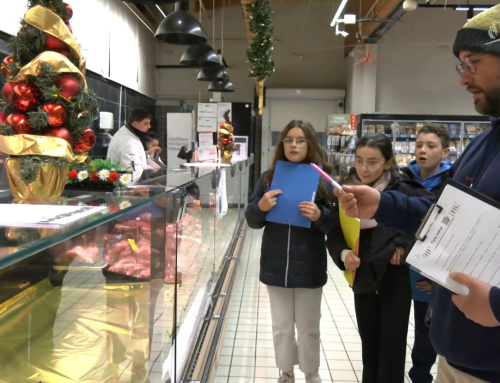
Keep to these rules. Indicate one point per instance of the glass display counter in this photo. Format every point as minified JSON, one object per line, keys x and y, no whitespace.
{"x":118,"y":296}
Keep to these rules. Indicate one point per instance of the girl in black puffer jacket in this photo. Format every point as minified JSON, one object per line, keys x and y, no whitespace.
{"x":382,"y":292}
{"x":293,"y":259}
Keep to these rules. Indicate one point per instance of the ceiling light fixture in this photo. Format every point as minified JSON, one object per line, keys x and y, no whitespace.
{"x":181,"y":28}
{"x":161,"y":10}
{"x":200,"y":55}
{"x":336,"y":18}
{"x":410,"y":5}
{"x":222,"y":86}
{"x":211,"y":73}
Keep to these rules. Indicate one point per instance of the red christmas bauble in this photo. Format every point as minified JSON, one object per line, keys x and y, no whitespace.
{"x":25,"y":97}
{"x":19,"y":123}
{"x":56,"y":114}
{"x":53,"y":43}
{"x":3,"y":117}
{"x":7,"y":90}
{"x":70,"y":86}
{"x":70,"y":10}
{"x":60,"y":133}
{"x":4,"y":66}
{"x":86,"y":142}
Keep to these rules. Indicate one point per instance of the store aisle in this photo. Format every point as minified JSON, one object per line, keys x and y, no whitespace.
{"x":248,"y":354}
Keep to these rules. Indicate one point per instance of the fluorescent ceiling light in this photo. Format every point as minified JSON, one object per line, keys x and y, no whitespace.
{"x":338,"y":13}
{"x":474,"y":8}
{"x":161,"y":10}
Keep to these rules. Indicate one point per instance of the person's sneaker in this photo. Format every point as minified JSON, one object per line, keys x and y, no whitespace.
{"x":286,"y":379}
{"x":313,"y":379}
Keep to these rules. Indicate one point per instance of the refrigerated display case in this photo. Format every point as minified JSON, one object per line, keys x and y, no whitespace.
{"x":403,"y":130}
{"x":120,"y":295}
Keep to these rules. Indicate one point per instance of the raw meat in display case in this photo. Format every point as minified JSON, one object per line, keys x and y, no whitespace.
{"x":128,"y":251}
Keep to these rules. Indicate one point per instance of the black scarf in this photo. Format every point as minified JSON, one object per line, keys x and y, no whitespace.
{"x":141,"y":135}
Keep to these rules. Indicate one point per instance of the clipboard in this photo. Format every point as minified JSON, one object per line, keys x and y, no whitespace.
{"x":460,"y":232}
{"x":298,"y":183}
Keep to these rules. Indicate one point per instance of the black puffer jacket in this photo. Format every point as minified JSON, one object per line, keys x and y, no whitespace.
{"x":291,"y":256}
{"x":376,"y":245}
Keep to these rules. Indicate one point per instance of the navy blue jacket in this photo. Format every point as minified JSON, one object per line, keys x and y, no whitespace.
{"x":467,"y":346}
{"x":291,"y":256}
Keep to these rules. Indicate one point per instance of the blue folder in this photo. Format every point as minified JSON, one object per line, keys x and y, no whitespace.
{"x":298,"y":183}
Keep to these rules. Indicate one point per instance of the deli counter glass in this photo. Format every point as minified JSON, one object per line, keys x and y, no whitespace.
{"x":119,"y":295}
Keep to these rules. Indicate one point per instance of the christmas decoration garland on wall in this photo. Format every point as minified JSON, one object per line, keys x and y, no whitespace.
{"x":259,"y":52}
{"x":45,"y":95}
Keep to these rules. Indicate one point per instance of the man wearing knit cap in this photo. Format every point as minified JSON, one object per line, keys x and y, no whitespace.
{"x":465,"y":330}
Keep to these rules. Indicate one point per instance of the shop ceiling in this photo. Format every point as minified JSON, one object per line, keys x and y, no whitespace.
{"x":375,"y":17}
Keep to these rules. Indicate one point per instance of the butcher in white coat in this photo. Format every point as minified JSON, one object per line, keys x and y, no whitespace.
{"x":126,"y":145}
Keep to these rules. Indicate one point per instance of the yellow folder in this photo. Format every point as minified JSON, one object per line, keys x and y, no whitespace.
{"x":351,"y":228}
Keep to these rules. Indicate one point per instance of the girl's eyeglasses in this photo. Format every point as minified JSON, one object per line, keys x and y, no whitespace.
{"x":300,"y":142}
{"x":370,"y":166}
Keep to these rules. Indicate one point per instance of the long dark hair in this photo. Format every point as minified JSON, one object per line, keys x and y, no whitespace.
{"x":374,"y":141}
{"x":314,"y":151}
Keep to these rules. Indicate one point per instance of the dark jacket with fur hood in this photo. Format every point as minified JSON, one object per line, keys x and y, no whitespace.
{"x":377,"y":245}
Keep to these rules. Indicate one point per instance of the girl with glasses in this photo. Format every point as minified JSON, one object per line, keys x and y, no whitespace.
{"x":293,"y":259}
{"x":382,"y":291}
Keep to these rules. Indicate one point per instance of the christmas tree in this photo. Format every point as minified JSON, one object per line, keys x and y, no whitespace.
{"x":47,"y":110}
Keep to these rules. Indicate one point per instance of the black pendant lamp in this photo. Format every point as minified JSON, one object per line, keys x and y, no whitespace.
{"x":222,"y":86}
{"x":212,"y":73}
{"x":200,"y":55}
{"x":180,"y":27}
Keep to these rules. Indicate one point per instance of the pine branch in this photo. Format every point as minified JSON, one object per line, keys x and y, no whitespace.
{"x":56,"y":6}
{"x":30,"y":166}
{"x":260,"y":50}
{"x":27,"y":44}
{"x":38,"y":120}
{"x":6,"y":107}
{"x":6,"y":130}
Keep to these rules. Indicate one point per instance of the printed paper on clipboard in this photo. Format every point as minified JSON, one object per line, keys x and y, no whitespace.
{"x":461,"y":232}
{"x":298,"y":183}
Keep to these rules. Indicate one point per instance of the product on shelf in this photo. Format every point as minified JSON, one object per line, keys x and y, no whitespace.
{"x":402,"y":129}
{"x":398,"y":146}
{"x":454,"y":129}
{"x":418,"y":126}
{"x":405,"y":145}
{"x":453,"y":146}
{"x":410,"y":129}
{"x":471,"y":129}
{"x":408,"y":158}
{"x":371,"y":129}
{"x":86,"y":254}
{"x":412,"y":146}
{"x":381,"y":129}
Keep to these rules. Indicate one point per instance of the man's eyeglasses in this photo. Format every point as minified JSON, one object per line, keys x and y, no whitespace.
{"x":300,"y":142}
{"x":469,"y":64}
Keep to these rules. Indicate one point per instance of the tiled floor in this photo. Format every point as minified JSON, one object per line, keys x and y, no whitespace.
{"x":248,"y":354}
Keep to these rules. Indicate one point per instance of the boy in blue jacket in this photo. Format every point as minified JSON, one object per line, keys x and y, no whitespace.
{"x":465,"y":331}
{"x":431,"y":169}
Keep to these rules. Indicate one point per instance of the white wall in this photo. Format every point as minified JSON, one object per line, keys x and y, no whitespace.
{"x":116,"y":44}
{"x":416,"y":66}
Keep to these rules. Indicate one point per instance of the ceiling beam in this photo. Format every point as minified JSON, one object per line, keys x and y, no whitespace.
{"x":367,"y":9}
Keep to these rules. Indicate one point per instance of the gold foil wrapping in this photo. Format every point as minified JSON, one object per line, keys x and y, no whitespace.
{"x":60,"y":63}
{"x":49,"y":182}
{"x":45,"y":338}
{"x":29,"y":144}
{"x":48,"y":22}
